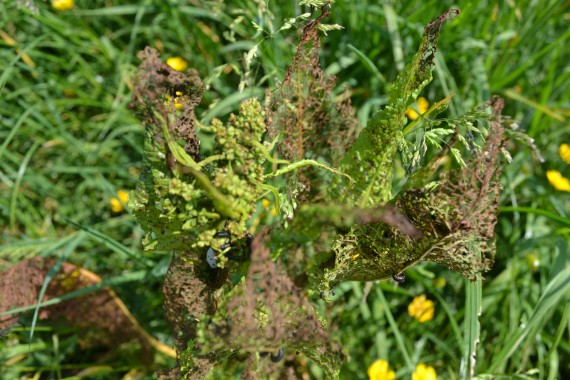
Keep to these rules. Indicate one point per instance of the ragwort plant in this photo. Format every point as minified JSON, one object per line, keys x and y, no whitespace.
{"x":294,"y":198}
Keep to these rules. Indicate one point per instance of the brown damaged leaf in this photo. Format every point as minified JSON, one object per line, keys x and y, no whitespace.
{"x":101,"y":318}
{"x":159,"y":87}
{"x":188,"y":294}
{"x":304,"y":112}
{"x":271,"y":313}
{"x":473,"y":195}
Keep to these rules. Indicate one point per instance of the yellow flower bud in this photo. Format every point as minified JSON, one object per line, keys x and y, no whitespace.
{"x":558,"y":181}
{"x":62,"y":5}
{"x":532,"y":261}
{"x":439,"y":282}
{"x":564,"y":152}
{"x":177,"y":63}
{"x":117,"y":203}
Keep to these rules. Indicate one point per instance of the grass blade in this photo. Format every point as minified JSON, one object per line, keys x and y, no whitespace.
{"x":18,"y":182}
{"x":555,"y":292}
{"x":471,"y":324}
{"x":51,"y":273}
{"x":367,"y":62}
{"x":395,"y":328}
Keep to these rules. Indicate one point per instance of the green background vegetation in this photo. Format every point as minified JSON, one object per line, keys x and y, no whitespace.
{"x":68,"y":142}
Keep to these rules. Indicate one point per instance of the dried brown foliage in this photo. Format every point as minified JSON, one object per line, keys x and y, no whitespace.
{"x":157,"y":88}
{"x":473,"y":197}
{"x":187,"y":296}
{"x":290,"y":316}
{"x":303,"y":110}
{"x":268,"y":313}
{"x":100,"y":317}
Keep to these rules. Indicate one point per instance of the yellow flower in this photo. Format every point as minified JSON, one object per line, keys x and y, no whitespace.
{"x":265,"y":203}
{"x":379,"y":370}
{"x":564,"y":152}
{"x":177,"y":105}
{"x":177,"y":63}
{"x":62,"y":5}
{"x":421,"y":308}
{"x":117,"y":203}
{"x":557,"y":180}
{"x":424,"y":372}
{"x":423,"y":106}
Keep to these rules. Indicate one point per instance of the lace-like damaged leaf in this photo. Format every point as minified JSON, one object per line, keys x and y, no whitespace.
{"x":456,"y":220}
{"x":303,"y":112}
{"x":267,"y":313}
{"x":472,"y":196}
{"x":161,"y":89}
{"x":322,"y":253}
{"x":370,"y":159}
{"x":180,"y":201}
{"x":189,"y":294}
{"x":150,"y":202}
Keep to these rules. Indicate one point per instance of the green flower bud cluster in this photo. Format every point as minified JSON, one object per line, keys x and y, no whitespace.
{"x":184,"y":204}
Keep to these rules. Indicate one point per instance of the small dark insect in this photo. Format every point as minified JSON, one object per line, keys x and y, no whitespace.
{"x":222,"y":234}
{"x":399,"y":277}
{"x":277,"y":358}
{"x":211,"y":254}
{"x":323,"y":294}
{"x":249,"y":238}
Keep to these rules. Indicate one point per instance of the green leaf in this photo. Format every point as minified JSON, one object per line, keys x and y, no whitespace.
{"x":370,"y":158}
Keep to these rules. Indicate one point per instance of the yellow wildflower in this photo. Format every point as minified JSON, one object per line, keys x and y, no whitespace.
{"x":177,"y":105}
{"x":564,"y":152}
{"x":265,"y":203}
{"x":423,"y":106}
{"x":177,"y":63}
{"x":424,"y":372}
{"x":62,"y":5}
{"x":421,"y":308}
{"x":557,"y":180}
{"x":117,"y":203}
{"x":379,"y":370}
